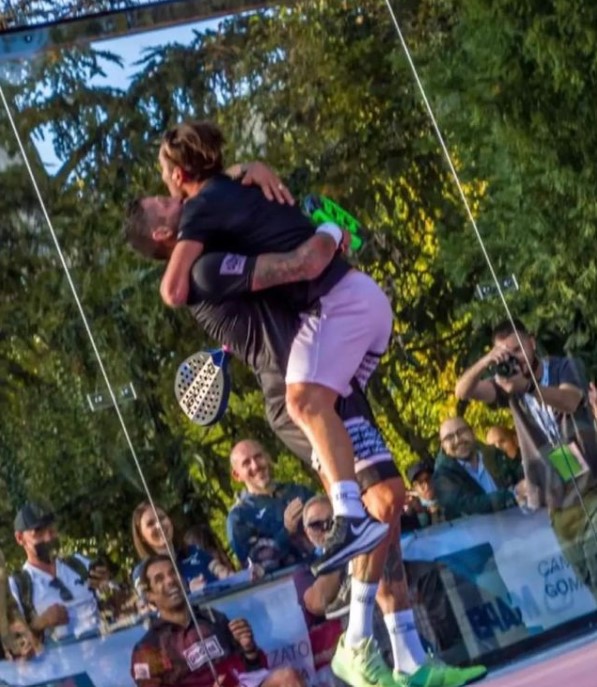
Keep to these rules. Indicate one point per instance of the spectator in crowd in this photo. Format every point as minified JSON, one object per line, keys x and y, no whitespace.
{"x":17,"y":640}
{"x":413,"y":515}
{"x":153,"y":535}
{"x":329,"y":595}
{"x":264,"y":525}
{"x":55,"y":596}
{"x":471,"y":477}
{"x":173,"y":652}
{"x":427,"y":509}
{"x":202,"y":537}
{"x":506,"y":440}
{"x":555,"y":432}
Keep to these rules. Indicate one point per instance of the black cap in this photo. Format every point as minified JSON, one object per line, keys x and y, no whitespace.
{"x":33,"y":516}
{"x":415,"y":470}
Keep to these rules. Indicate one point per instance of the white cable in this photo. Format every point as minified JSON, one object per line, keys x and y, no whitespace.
{"x":102,"y":368}
{"x":473,"y":222}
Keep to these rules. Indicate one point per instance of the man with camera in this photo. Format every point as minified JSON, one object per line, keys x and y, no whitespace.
{"x":555,"y":433}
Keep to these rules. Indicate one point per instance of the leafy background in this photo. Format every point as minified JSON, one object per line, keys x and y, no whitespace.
{"x":323,"y":92}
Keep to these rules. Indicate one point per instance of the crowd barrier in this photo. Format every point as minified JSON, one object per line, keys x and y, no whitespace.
{"x":271,"y":606}
{"x":503,"y":577}
{"x":493,"y":579}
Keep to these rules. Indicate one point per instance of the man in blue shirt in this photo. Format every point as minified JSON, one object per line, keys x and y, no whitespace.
{"x":264,"y":525}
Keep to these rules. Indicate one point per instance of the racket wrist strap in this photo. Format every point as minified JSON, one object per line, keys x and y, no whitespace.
{"x":332,"y":230}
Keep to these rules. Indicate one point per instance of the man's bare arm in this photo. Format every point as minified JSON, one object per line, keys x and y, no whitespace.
{"x":323,"y":591}
{"x":305,"y":263}
{"x":566,"y":398}
{"x":174,"y":288}
{"x":471,"y":386}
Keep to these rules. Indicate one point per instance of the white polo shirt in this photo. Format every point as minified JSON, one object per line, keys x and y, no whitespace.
{"x":83,"y":612}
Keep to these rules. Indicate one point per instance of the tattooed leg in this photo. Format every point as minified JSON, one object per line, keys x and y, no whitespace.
{"x":385,"y":501}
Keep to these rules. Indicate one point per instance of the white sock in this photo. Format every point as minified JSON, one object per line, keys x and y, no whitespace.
{"x":362,"y":603}
{"x":407,"y":650}
{"x":346,"y":499}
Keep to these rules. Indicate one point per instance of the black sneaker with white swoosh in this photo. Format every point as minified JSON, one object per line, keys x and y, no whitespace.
{"x":349,"y":537}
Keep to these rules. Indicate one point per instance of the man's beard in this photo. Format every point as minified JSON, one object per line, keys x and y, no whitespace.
{"x":47,"y":551}
{"x":472,"y":452}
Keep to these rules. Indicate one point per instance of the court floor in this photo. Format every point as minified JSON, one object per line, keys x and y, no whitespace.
{"x":571,"y":665}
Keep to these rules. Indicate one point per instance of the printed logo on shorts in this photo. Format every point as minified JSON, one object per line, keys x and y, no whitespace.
{"x":198,"y":654}
{"x":233,"y":264}
{"x":366,"y":439}
{"x":141,"y":671}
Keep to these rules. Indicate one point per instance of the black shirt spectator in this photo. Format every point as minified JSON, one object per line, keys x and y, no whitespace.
{"x":471,"y":477}
{"x":427,"y":509}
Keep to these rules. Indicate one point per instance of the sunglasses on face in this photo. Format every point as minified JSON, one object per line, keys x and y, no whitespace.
{"x":63,"y":590}
{"x":320,"y":525}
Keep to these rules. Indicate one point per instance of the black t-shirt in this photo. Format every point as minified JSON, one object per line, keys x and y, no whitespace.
{"x":259,"y":333}
{"x":227,"y":216}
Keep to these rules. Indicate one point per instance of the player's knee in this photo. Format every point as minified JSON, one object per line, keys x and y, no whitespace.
{"x":284,"y":677}
{"x":306,"y":401}
{"x":385,"y":500}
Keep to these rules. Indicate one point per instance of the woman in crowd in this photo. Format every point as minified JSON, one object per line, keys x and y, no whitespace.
{"x":197,"y":567}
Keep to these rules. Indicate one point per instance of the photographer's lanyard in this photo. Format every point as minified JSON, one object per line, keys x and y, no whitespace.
{"x":543,"y":414}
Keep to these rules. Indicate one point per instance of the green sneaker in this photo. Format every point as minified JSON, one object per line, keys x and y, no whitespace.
{"x":363,"y":666}
{"x":434,"y":673}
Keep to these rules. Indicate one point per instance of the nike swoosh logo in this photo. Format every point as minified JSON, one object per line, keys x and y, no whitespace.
{"x":358,"y":530}
{"x":260,"y":514}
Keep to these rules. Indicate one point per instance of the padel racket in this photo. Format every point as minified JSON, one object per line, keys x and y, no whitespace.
{"x":322,"y":209}
{"x":202,"y":386}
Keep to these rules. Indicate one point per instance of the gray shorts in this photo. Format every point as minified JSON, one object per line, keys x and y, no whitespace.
{"x":345,"y":338}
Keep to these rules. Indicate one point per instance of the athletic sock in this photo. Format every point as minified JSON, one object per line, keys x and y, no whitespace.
{"x":362,"y":603}
{"x":346,"y":499}
{"x":407,"y":650}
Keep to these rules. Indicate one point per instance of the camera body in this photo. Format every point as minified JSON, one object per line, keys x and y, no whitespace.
{"x":507,"y":368}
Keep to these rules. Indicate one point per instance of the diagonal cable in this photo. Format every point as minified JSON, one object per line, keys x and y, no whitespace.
{"x":102,"y":368}
{"x":481,"y":243}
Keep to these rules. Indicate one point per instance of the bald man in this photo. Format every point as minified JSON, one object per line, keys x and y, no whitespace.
{"x":264,"y":525}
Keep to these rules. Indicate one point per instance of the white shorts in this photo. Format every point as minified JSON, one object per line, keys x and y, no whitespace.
{"x":345,"y":339}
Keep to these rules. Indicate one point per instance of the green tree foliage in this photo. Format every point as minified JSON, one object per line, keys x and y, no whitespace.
{"x":514,"y":90}
{"x":323,"y":92}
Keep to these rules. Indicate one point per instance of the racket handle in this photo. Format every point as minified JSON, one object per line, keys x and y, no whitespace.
{"x":321,"y":209}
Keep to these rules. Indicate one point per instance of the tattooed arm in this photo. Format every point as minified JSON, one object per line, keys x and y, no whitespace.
{"x":304,"y":263}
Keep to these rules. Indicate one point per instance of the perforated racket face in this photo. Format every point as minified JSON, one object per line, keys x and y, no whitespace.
{"x":200,"y":388}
